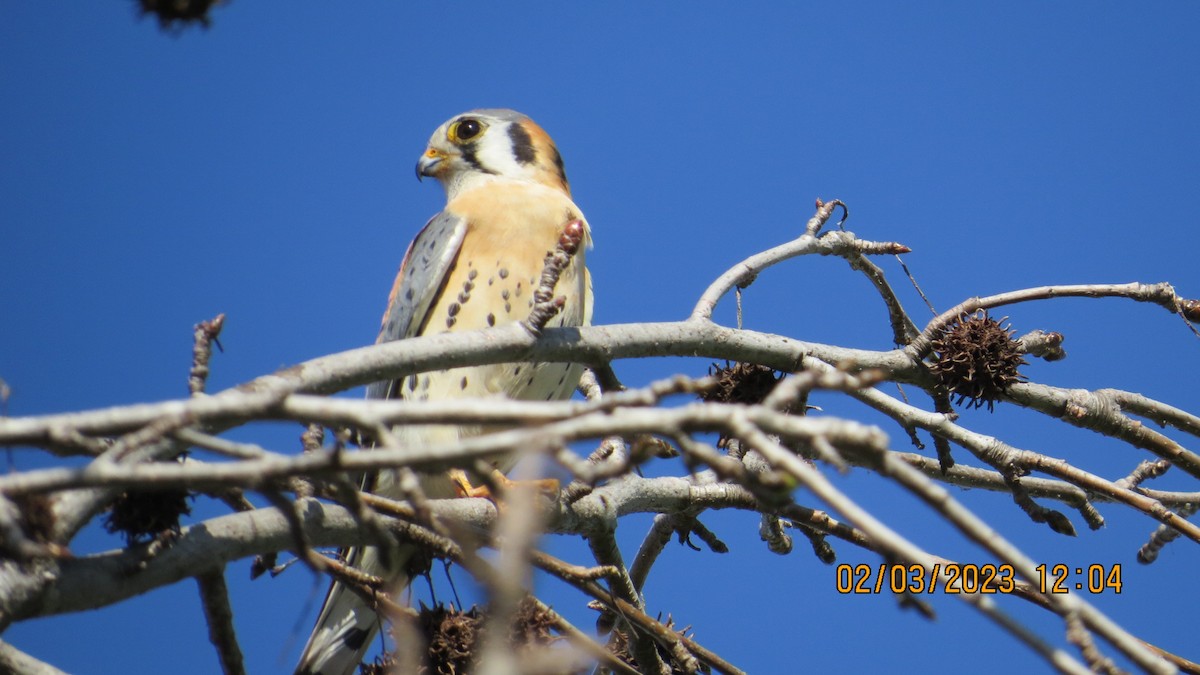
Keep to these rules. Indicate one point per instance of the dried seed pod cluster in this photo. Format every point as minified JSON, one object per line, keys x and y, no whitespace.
{"x":453,"y":638}
{"x":977,"y":359}
{"x":747,"y":383}
{"x":142,"y":515}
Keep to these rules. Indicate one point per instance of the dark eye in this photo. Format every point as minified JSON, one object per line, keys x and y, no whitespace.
{"x":468,"y":129}
{"x":465,"y":130}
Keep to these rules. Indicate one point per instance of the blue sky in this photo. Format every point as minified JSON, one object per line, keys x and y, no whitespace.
{"x":263,"y":168}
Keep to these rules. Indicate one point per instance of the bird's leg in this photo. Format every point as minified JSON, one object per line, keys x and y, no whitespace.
{"x":464,"y":488}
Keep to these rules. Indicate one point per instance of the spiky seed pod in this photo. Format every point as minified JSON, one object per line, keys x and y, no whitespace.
{"x":747,"y":383}
{"x":382,"y":665}
{"x":453,"y":638}
{"x":531,"y":626}
{"x":619,"y":647}
{"x":178,"y":13}
{"x":142,"y":515}
{"x":977,"y":359}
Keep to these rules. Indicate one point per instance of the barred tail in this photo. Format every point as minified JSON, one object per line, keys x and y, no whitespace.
{"x":347,"y":623}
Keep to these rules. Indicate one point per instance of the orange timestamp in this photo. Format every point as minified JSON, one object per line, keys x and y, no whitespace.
{"x":914,"y":579}
{"x":1093,"y":578}
{"x":956,"y":578}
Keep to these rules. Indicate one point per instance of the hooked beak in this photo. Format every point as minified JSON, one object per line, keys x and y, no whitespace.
{"x":430,"y":163}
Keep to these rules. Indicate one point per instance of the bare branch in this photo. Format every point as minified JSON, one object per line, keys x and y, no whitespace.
{"x":769,"y":453}
{"x":204,"y":336}
{"x":744,"y":273}
{"x":1101,"y":413}
{"x":17,"y":662}
{"x":391,"y":360}
{"x":1161,"y":294}
{"x":214,"y":596}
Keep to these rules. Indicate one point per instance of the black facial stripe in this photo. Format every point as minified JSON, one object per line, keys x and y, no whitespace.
{"x":558,"y":162}
{"x":468,"y":155}
{"x":522,"y":144}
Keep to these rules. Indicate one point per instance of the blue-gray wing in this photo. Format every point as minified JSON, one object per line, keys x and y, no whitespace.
{"x":427,"y":262}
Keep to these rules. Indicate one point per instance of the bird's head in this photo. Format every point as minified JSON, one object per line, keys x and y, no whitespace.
{"x":492,"y":142}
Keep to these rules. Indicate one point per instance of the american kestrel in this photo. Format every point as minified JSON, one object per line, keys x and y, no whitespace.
{"x":474,"y":265}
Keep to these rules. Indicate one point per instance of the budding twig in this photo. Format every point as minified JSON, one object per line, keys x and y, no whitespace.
{"x":205,"y":335}
{"x":545,"y":305}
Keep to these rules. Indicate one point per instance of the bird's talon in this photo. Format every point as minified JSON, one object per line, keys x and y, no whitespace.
{"x":464,"y":488}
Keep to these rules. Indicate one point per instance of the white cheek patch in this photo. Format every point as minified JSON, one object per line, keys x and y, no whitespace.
{"x":495,"y":153}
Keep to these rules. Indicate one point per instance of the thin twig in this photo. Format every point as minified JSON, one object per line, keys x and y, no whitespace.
{"x":583,"y":641}
{"x":205,"y":334}
{"x":214,"y":596}
{"x":1161,"y":294}
{"x":672,"y":641}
